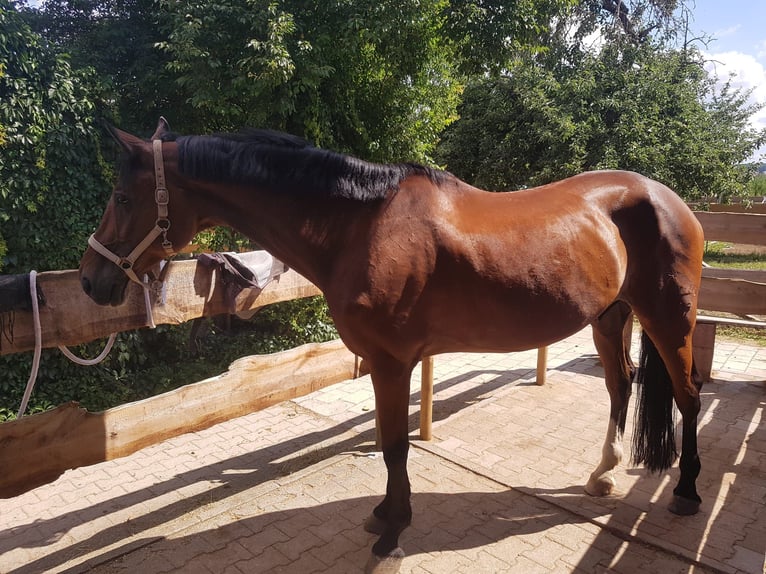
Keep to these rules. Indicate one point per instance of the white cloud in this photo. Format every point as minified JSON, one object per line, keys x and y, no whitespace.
{"x":748,"y":73}
{"x":730,"y":31}
{"x":761,"y":53}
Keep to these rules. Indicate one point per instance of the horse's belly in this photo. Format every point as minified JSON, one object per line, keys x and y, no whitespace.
{"x":519,"y":313}
{"x":490,"y":328}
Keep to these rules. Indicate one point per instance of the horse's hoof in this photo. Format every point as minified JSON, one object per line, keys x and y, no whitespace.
{"x":389,"y":564}
{"x":601,"y":486}
{"x":375,"y":525}
{"x":683,"y":506}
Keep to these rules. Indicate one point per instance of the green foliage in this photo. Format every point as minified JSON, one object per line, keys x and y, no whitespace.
{"x":643,"y":108}
{"x":757,"y":186}
{"x":374,"y":78}
{"x":487,"y":34}
{"x":52,"y":177}
{"x":223,"y":239}
{"x":117,"y":39}
{"x":371,"y":78}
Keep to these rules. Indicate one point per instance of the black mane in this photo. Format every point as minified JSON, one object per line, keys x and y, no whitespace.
{"x":283,"y":162}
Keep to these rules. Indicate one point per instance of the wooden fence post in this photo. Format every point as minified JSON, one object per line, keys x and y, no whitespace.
{"x":542,"y":364}
{"x":427,"y":398}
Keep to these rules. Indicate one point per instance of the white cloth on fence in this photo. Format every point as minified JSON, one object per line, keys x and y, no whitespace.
{"x":264,"y":265}
{"x":250,"y":270}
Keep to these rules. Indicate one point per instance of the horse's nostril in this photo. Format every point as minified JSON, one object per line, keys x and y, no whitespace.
{"x":85,"y":282}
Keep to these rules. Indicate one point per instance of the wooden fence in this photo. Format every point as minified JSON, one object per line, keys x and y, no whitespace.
{"x":740,"y":292}
{"x":69,"y":317}
{"x":737,"y":291}
{"x":38,"y":448}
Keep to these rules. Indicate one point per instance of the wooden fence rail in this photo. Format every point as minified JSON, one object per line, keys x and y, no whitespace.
{"x":37,"y":449}
{"x":747,"y":228}
{"x":70,"y":317}
{"x":739,"y":292}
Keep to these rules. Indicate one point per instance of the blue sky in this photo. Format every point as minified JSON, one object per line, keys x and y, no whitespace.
{"x":737,"y":25}
{"x":738,"y":28}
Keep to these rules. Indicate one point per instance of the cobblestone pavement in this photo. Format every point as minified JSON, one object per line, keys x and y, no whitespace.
{"x":499,"y":489}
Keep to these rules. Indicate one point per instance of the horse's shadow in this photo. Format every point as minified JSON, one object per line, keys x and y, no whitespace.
{"x":728,"y":529}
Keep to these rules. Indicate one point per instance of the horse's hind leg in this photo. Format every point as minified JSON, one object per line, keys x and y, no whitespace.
{"x":671,"y":342}
{"x":611,"y":336}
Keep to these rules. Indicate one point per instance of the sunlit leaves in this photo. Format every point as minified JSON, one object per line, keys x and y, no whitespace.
{"x":650,"y":109}
{"x":50,"y":167}
{"x":372,"y":78}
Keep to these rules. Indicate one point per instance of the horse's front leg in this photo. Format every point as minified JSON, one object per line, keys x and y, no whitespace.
{"x":391,"y":381}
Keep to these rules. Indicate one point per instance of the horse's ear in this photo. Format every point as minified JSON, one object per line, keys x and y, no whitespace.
{"x":127,"y":142}
{"x":162,"y":128}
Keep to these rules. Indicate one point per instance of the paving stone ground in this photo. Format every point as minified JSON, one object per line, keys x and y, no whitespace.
{"x":499,"y":489}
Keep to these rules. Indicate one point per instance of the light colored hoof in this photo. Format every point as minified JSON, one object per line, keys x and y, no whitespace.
{"x":603,"y":485}
{"x":374,"y":525}
{"x":385,"y":564}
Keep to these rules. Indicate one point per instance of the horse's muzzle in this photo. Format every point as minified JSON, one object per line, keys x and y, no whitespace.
{"x":106,"y":287}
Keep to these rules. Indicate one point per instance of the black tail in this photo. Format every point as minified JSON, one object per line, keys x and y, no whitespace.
{"x":654,"y":441}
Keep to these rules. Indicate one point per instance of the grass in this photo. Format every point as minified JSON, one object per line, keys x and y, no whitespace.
{"x":719,"y":254}
{"x":754,"y":336}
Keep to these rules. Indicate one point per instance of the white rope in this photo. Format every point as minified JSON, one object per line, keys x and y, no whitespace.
{"x":89,"y":362}
{"x":39,"y":346}
{"x":148,"y":304}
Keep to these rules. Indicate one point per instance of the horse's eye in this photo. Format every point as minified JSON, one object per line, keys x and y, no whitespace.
{"x":121,"y":198}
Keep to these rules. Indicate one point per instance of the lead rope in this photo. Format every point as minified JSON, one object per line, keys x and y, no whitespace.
{"x":89,"y":362}
{"x":39,"y":347}
{"x":38,"y":344}
{"x":67,"y":353}
{"x":148,"y":303}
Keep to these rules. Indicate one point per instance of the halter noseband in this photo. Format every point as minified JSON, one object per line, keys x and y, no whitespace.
{"x":161,"y":226}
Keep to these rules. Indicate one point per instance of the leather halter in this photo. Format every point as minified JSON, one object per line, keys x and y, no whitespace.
{"x":161,"y":225}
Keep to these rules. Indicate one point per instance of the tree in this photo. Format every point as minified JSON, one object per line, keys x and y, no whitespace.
{"x":487,"y":34}
{"x":635,"y":103}
{"x":370,"y":78}
{"x":52,"y":177}
{"x":757,"y":187}
{"x":379,"y":79}
{"x":118,"y":40}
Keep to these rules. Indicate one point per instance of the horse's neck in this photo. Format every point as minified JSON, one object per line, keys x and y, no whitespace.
{"x":305,"y":234}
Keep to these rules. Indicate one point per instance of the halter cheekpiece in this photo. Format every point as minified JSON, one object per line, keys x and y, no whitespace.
{"x":161,"y":225}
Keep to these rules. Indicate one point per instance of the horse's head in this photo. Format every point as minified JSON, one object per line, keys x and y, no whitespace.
{"x":135,"y":231}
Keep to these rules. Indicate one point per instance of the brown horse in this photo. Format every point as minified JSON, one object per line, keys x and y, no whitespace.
{"x":414,"y":262}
